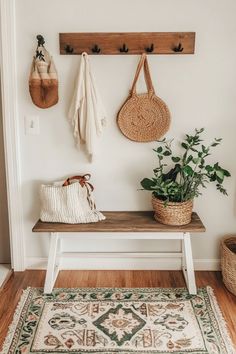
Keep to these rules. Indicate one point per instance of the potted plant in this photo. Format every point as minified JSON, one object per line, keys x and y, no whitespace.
{"x":174,"y":186}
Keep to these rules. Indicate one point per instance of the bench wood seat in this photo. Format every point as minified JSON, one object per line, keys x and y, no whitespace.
{"x":122,"y":221}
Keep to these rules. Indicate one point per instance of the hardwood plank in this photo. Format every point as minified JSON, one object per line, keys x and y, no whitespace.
{"x":136,"y":42}
{"x":11,"y":292}
{"x":122,"y":221}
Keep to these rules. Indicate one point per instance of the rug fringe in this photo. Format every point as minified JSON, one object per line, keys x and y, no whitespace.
{"x":11,"y":329}
{"x":221,"y":321}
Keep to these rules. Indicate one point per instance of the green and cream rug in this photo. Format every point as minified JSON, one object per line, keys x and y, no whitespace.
{"x":118,"y":321}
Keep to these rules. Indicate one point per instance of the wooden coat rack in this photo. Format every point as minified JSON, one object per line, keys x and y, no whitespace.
{"x":127,"y":43}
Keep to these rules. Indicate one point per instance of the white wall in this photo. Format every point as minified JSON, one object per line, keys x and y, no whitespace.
{"x":199,"y":90}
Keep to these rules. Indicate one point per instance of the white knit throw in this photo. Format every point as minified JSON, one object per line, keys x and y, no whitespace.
{"x":86,"y":114}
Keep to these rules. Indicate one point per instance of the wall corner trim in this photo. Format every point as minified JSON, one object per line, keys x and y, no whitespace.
{"x":11,"y":132}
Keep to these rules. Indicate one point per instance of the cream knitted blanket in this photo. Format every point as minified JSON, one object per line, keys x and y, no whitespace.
{"x":86,"y":114}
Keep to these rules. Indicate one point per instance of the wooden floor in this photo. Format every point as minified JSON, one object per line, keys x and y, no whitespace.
{"x":11,"y":292}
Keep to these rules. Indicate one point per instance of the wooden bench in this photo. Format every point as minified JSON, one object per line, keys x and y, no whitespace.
{"x":140,"y":224}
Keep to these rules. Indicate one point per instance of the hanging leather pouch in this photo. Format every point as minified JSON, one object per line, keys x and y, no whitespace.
{"x":43,"y":80}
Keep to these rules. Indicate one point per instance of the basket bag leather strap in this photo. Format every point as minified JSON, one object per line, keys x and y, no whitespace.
{"x":143,"y":63}
{"x":83,"y":180}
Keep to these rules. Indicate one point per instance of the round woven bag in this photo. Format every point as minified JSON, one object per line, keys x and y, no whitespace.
{"x":143,"y":117}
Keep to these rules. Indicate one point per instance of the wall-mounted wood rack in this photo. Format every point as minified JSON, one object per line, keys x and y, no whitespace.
{"x":127,"y":43}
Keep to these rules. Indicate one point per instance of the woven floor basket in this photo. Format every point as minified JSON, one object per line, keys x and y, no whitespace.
{"x":228,"y":262}
{"x":174,"y":213}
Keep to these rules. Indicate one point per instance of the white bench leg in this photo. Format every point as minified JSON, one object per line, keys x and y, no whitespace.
{"x":187,"y":264}
{"x":53,"y":263}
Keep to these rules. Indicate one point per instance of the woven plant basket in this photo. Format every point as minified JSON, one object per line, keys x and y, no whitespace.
{"x":228,"y":262}
{"x":173,"y":213}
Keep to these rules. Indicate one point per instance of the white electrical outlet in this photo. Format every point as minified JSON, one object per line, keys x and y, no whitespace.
{"x":32,"y":125}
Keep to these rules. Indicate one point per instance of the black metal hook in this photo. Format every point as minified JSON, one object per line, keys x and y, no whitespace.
{"x":178,"y":49}
{"x":124,"y":49}
{"x":39,"y":54}
{"x":69,"y":49}
{"x":40,"y":40}
{"x":96,"y":49}
{"x":150,"y":49}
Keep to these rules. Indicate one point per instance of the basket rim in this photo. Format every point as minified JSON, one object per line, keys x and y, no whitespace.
{"x":189,"y":201}
{"x":224,"y":238}
{"x":225,"y":246}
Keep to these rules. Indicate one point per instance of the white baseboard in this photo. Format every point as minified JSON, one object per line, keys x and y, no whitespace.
{"x":123,"y":263}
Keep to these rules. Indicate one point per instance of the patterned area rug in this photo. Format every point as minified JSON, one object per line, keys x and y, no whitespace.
{"x":118,"y":321}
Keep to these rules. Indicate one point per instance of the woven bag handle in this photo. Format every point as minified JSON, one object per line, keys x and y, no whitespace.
{"x":143,"y":63}
{"x":83,"y":180}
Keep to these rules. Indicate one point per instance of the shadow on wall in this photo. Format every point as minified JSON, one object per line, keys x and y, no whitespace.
{"x":143,"y":198}
{"x":32,"y":189}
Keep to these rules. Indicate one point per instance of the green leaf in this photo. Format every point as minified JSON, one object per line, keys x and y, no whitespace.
{"x":184,"y":145}
{"x":148,"y":184}
{"x":175,"y":159}
{"x":188,"y":170}
{"x":226,"y":173}
{"x":166,"y":153}
{"x":192,"y":149}
{"x":189,"y":159}
{"x":221,"y":189}
{"x":220,"y":175}
{"x":159,"y":150}
{"x":209,"y":168}
{"x":213,"y":178}
{"x":196,"y":160}
{"x":199,"y":131}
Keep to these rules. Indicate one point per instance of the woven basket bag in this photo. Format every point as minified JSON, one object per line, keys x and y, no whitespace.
{"x":173,"y":213}
{"x":228,"y":262}
{"x":143,"y":117}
